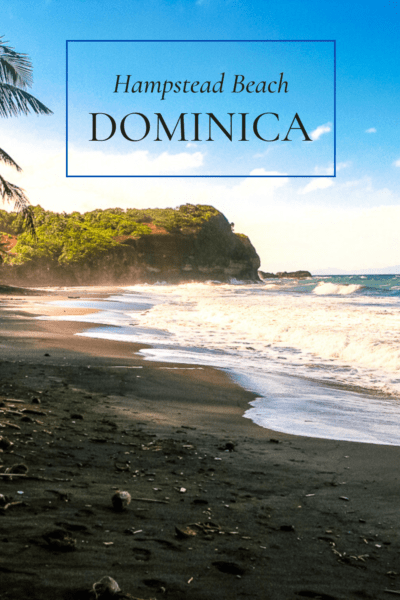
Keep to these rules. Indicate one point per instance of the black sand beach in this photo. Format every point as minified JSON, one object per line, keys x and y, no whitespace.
{"x":221,"y":508}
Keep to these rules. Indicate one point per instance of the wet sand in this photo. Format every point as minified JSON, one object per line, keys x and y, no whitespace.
{"x":221,"y":508}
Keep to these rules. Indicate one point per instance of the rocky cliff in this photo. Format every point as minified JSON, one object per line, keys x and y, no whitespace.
{"x":196,"y":243}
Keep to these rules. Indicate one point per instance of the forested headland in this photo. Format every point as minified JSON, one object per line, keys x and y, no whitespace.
{"x":192,"y":242}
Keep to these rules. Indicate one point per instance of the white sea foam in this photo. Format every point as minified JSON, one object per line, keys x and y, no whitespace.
{"x":275,"y":330}
{"x":340,"y":338}
{"x":271,"y":286}
{"x":325,"y":289}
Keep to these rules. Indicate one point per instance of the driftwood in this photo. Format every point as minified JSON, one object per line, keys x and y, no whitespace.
{"x":36,"y":477}
{"x":150,"y":500}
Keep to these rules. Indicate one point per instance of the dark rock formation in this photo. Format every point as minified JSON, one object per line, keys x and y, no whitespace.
{"x":17,"y":291}
{"x":210,"y":251}
{"x":295,"y":274}
{"x":284,"y":274}
{"x":267,"y":275}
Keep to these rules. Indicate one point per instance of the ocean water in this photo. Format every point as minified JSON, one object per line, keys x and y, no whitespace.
{"x":322,"y":354}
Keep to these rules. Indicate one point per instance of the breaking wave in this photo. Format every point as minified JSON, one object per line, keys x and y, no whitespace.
{"x":330,"y":289}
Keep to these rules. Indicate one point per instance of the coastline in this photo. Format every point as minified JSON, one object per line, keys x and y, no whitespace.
{"x":320,"y":506}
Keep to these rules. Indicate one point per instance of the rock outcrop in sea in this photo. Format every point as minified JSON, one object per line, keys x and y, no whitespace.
{"x":285,"y":275}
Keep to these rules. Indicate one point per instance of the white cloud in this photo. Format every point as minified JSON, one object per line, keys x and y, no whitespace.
{"x":397,"y":163}
{"x":264,"y":172}
{"x":329,"y":169}
{"x":316,"y":184}
{"x":262,"y":154}
{"x":353,"y":183}
{"x":370,"y":130}
{"x":324,"y":170}
{"x":321,"y":129}
{"x":258,"y":189}
{"x":139,"y":162}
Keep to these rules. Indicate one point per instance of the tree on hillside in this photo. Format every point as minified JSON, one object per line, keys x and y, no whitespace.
{"x":15,"y":77}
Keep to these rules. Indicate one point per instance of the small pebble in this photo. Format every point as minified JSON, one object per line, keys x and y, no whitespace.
{"x":105,"y":588}
{"x":18,"y":468}
{"x":5,"y":443}
{"x":121,"y":500}
{"x":287,"y":528}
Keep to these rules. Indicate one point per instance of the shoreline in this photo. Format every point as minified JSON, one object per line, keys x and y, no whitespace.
{"x":326,"y":508}
{"x":306,"y":406}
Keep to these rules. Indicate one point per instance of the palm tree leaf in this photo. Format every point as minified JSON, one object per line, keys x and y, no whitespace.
{"x":14,"y":102}
{"x":15,"y":76}
{"x":12,"y":193}
{"x":6,"y":158}
{"x":15,"y":67}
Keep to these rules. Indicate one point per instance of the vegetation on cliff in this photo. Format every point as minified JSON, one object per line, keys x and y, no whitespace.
{"x":116,"y":246}
{"x":74,"y":238}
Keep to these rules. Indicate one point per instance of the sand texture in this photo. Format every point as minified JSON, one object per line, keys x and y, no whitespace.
{"x":219,"y":507}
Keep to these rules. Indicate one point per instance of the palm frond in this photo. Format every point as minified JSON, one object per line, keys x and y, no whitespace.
{"x":15,"y":67}
{"x":12,"y":193}
{"x":6,"y":158}
{"x":15,"y":77}
{"x":14,"y":102}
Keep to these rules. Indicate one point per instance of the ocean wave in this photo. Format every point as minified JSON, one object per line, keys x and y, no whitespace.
{"x":333,"y":334}
{"x":325,"y":289}
{"x":347,"y":340}
{"x":271,"y":286}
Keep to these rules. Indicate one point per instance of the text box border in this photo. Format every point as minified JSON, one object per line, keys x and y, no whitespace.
{"x":204,"y":176}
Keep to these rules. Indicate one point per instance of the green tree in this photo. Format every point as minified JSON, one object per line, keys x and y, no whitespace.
{"x":15,"y":78}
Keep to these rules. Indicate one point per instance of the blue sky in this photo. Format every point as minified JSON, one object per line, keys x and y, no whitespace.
{"x":349,"y":222}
